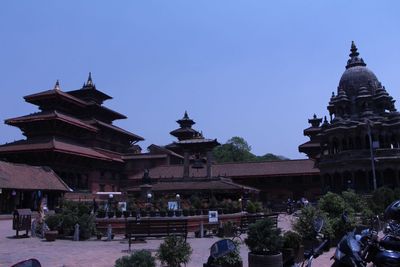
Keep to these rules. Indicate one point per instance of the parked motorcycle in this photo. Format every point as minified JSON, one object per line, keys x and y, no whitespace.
{"x":359,"y":250}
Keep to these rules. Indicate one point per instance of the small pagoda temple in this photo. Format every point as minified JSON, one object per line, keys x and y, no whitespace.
{"x":359,"y":147}
{"x":73,"y":133}
{"x":194,"y":176}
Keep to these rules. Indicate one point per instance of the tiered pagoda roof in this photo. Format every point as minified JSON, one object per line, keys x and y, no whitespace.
{"x":74,"y":123}
{"x":185,"y":131}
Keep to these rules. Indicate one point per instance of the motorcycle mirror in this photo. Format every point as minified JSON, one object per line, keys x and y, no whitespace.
{"x":318,"y":224}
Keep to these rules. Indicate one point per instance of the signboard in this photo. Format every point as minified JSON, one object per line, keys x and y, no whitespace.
{"x":212,"y":216}
{"x":172,"y":205}
{"x":122,"y":206}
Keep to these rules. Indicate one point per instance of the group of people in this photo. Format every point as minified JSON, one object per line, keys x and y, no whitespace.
{"x":292,"y":205}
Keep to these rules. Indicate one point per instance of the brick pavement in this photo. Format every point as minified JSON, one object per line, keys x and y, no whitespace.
{"x":67,"y":253}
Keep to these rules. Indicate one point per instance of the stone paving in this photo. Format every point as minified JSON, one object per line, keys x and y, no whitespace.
{"x":67,"y":253}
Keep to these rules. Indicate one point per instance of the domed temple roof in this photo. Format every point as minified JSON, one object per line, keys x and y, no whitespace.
{"x":357,"y":75}
{"x":360,"y":94}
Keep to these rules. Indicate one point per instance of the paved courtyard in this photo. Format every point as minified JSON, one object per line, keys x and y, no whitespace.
{"x":67,"y":253}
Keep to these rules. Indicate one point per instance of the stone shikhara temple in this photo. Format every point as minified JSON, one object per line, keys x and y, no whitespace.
{"x":73,"y":134}
{"x":359,"y":146}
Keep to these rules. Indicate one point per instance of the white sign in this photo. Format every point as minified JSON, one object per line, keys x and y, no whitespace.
{"x":212,"y":216}
{"x":122,"y":206}
{"x":172,"y":205}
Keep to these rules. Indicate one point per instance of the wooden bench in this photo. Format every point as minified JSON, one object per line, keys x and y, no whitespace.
{"x":155,"y":228}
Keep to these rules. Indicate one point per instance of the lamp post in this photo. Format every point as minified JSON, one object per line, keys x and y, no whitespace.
{"x":241,"y":204}
{"x":371,"y":153}
{"x":149,"y":196}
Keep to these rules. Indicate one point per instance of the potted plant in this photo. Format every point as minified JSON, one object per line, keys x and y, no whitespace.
{"x":174,"y":251}
{"x":140,"y":258}
{"x":170,"y":213}
{"x":265,"y":242}
{"x":227,"y":230}
{"x":292,"y":247}
{"x":185,"y":212}
{"x":126,"y":214}
{"x":118,"y":214}
{"x":53,"y":222}
{"x":110,"y":214}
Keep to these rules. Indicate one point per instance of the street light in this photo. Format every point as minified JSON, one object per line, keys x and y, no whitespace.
{"x":149,"y":196}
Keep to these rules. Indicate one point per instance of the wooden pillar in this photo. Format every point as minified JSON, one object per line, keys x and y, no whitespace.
{"x":186,"y":164}
{"x":209,"y":164}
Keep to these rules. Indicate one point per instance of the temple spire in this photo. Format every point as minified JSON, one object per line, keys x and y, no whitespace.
{"x":89,"y":81}
{"x":57,"y":86}
{"x":354,"y":59}
{"x":353,"y":50}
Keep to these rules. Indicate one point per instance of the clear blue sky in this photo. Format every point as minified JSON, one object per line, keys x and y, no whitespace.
{"x":255,"y":69}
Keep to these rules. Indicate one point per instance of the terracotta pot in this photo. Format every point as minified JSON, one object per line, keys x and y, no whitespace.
{"x":274,"y":260}
{"x":51,"y":235}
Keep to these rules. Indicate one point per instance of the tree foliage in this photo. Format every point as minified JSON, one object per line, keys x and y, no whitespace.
{"x":237,"y":149}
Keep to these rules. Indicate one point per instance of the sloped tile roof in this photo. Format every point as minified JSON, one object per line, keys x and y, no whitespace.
{"x":52,"y":93}
{"x":118,"y":129}
{"x":245,"y":169}
{"x":56,"y":145}
{"x":197,"y":184}
{"x":20,"y":176}
{"x":47,"y":115}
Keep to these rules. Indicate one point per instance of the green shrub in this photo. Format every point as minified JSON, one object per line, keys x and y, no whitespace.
{"x":304,"y":225}
{"x":264,"y":238}
{"x":195,"y":202}
{"x":291,"y":240}
{"x":141,"y":258}
{"x":381,"y":198}
{"x":87,"y":226}
{"x":228,"y":229}
{"x":332,"y":204}
{"x":258,"y":205}
{"x":250,"y":207}
{"x":68,"y":223}
{"x":54,"y":221}
{"x":213,"y":203}
{"x":73,"y":213}
{"x":174,"y":251}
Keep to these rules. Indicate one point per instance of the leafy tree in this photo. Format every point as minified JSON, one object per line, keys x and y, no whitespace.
{"x":237,"y":149}
{"x":381,"y":198}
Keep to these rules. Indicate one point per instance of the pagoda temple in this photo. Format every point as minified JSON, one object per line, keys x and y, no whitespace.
{"x":358,"y":147}
{"x":73,"y":133}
